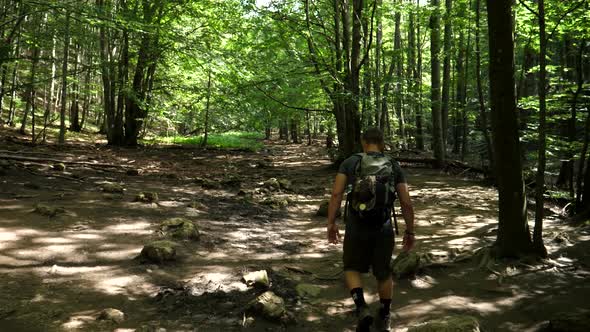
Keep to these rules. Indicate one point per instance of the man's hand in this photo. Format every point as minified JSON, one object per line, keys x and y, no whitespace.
{"x":408,"y":241}
{"x":333,"y":233}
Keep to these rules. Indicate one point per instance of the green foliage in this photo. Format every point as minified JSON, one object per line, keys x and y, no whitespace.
{"x":230,"y":140}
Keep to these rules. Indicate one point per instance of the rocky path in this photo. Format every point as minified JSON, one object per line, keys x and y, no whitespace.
{"x":61,"y":269}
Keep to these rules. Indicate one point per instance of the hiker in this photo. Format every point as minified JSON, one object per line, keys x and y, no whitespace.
{"x":371,"y":181}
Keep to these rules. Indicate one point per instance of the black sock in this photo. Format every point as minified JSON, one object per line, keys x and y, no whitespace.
{"x":385,"y":307}
{"x":358,"y":297}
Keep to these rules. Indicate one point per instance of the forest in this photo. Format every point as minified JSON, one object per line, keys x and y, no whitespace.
{"x":165,"y":165}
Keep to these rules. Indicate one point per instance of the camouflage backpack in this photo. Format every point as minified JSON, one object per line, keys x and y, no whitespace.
{"x":373,"y":190}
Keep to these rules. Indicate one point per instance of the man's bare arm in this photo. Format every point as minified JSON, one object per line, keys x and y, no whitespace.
{"x":403,"y":194}
{"x":337,"y":195}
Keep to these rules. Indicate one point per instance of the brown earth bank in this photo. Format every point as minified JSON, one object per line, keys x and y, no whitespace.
{"x":71,"y":233}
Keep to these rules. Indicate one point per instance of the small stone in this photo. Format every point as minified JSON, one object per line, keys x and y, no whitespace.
{"x":257,"y":279}
{"x":405,"y":264}
{"x":133,"y":172}
{"x":113,"y":188}
{"x":276,"y":202}
{"x":159,"y":252}
{"x":231,"y":182}
{"x":180,"y":228}
{"x":323,"y":210}
{"x":449,"y":324}
{"x":569,"y":322}
{"x":272,"y":184}
{"x":285,"y":184}
{"x":58,"y":167}
{"x":147,"y":197}
{"x":112,"y":315}
{"x":48,"y":211}
{"x":308,"y":290}
{"x":197,"y":205}
{"x":31,"y":185}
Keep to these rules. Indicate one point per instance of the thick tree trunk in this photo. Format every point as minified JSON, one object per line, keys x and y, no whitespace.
{"x":435,"y":97}
{"x":513,"y":233}
{"x":50,"y":102}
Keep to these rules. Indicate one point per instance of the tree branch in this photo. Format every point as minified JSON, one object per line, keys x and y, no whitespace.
{"x":567,"y":12}
{"x":528,"y":8}
{"x":289,"y":106}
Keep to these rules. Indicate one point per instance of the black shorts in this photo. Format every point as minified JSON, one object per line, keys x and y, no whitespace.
{"x":368,"y":245}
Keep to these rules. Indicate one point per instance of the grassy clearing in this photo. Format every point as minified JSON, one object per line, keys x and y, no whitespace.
{"x":230,"y":140}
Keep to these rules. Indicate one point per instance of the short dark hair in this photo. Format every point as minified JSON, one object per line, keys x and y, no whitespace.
{"x":373,"y":135}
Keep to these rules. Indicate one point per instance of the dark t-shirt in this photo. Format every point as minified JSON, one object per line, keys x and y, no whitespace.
{"x":348,"y":167}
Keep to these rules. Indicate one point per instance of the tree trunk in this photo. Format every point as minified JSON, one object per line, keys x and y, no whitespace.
{"x":459,"y":94}
{"x":513,"y":233}
{"x":50,"y":102}
{"x":64,"y":91}
{"x":446,"y":72}
{"x":482,"y":106}
{"x":294,"y":130}
{"x":465,"y":128}
{"x":542,"y":156}
{"x":398,"y":60}
{"x":378,"y":46}
{"x":75,"y":106}
{"x":435,"y":98}
{"x":418,"y":77}
{"x":207,"y":108}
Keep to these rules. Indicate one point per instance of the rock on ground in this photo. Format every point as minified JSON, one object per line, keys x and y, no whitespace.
{"x":159,"y":252}
{"x":323,"y":210}
{"x":272,"y":184}
{"x":147,"y":197}
{"x":180,"y":228}
{"x":113,"y":188}
{"x":257,"y":279}
{"x":285,"y":184}
{"x":48,"y":211}
{"x":308,"y":290}
{"x":270,"y":306}
{"x":405,"y":264}
{"x":569,"y":322}
{"x":112,"y":315}
{"x":449,"y":324}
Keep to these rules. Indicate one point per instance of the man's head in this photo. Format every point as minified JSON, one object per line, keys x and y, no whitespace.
{"x":372,"y":140}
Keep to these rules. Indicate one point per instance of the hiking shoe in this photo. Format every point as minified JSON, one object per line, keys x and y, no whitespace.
{"x":365,"y":320}
{"x":383,"y":322}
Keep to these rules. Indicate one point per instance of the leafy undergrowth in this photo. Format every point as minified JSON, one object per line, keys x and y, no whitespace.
{"x":229,"y":140}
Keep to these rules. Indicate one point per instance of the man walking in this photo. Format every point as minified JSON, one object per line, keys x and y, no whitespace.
{"x":371,"y":181}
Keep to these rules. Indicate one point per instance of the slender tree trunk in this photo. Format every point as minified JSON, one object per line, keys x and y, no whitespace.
{"x":75,"y":105}
{"x":378,"y":46}
{"x":465,"y":131}
{"x":482,"y":106}
{"x":446,"y":72}
{"x":419,"y":122}
{"x":30,"y":106}
{"x":513,"y":233}
{"x":435,"y":98}
{"x":397,"y":47}
{"x":542,"y":159}
{"x":50,"y":102}
{"x":207,"y":109}
{"x":64,"y":91}
{"x":460,"y":97}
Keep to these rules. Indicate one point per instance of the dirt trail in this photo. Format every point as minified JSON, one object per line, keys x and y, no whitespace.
{"x":59,"y":272}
